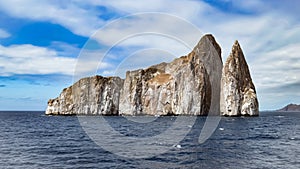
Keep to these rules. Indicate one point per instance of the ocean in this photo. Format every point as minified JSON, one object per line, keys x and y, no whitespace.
{"x":33,"y":140}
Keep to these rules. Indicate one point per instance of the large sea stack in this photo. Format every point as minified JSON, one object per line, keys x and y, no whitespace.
{"x":189,"y":85}
{"x":181,"y":87}
{"x":238,"y":95}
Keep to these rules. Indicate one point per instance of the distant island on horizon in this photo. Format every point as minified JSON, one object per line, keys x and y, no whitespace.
{"x":290,"y":108}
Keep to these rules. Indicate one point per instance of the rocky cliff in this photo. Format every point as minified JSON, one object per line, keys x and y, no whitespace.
{"x":182,"y":87}
{"x":238,"y":95}
{"x":95,"y":95}
{"x":154,"y":90}
{"x":189,"y":85}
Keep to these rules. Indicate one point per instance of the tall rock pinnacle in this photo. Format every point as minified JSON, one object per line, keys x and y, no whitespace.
{"x":209,"y":53}
{"x":238,"y":95}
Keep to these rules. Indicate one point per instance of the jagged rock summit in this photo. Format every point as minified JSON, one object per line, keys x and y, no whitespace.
{"x":189,"y":85}
{"x":238,"y":94}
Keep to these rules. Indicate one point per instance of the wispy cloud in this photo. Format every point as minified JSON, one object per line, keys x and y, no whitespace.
{"x":193,"y":8}
{"x":29,"y":59}
{"x":139,"y":60}
{"x":278,"y":67}
{"x":4,"y":34}
{"x":79,"y":18}
{"x":65,"y":49}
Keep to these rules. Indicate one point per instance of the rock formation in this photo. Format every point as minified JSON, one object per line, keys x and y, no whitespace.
{"x":290,"y":108}
{"x":189,"y":85}
{"x":154,"y":91}
{"x":182,"y":87}
{"x":95,"y":95}
{"x":238,"y":95}
{"x":209,"y":52}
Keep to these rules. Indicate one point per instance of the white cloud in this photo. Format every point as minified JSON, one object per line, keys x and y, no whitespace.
{"x":278,"y":67}
{"x":185,"y":9}
{"x":276,"y":75}
{"x":29,"y":59}
{"x":65,"y":49}
{"x":83,"y":17}
{"x":148,"y":23}
{"x":153,"y":31}
{"x":76,"y":17}
{"x":89,"y":62}
{"x":253,"y":31}
{"x":140,"y":59}
{"x":4,"y":34}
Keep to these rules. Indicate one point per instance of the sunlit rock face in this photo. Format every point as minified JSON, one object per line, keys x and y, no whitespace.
{"x":195,"y":84}
{"x":184,"y":86}
{"x":180,"y":87}
{"x":238,"y":95}
{"x":95,"y":95}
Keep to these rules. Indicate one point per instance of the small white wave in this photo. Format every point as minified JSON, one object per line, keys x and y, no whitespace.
{"x":178,"y":146}
{"x":292,"y":138}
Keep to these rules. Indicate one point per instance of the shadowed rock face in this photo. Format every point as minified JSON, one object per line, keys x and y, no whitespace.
{"x":189,"y":85}
{"x":209,"y":53}
{"x":238,"y":95}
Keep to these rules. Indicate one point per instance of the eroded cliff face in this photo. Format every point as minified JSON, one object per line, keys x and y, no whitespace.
{"x":178,"y":88}
{"x":189,"y":85}
{"x":95,"y":95}
{"x":238,"y":94}
{"x":182,"y":87}
{"x":209,"y":53}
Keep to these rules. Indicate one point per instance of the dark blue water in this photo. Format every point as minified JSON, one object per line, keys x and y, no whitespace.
{"x":32,"y":140}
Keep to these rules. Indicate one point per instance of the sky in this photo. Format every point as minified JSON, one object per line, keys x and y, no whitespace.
{"x":41,"y":41}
